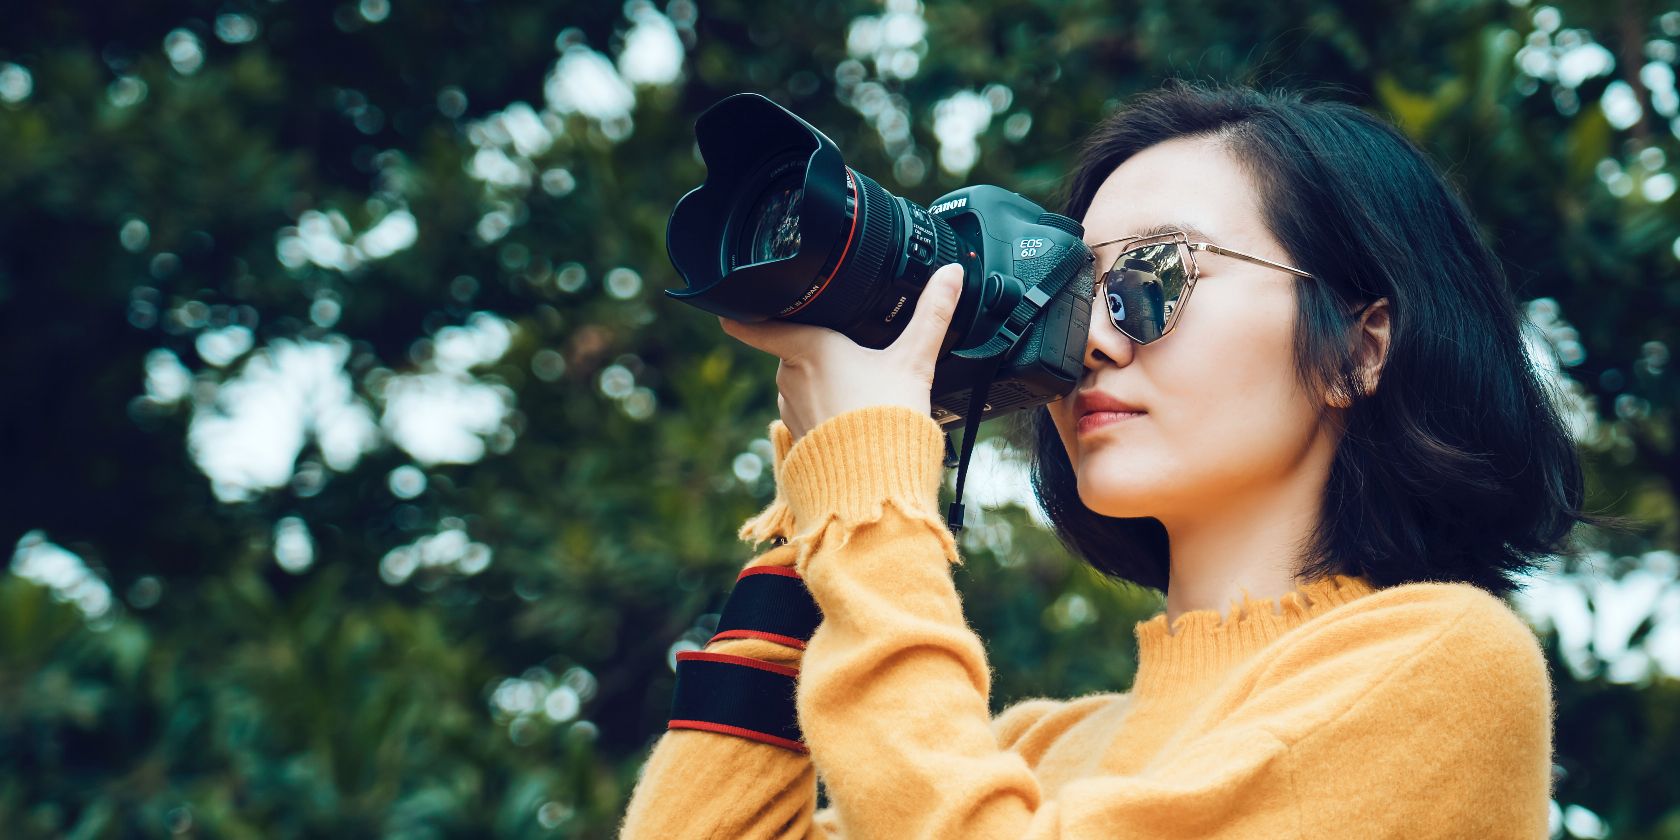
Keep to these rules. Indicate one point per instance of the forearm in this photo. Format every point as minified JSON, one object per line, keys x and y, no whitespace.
{"x":894,"y":696}
{"x":893,"y":693}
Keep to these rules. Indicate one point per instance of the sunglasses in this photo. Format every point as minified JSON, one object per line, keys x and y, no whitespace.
{"x":1151,"y":280}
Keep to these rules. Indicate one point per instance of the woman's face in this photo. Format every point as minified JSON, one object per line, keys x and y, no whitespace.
{"x":1224,"y":417}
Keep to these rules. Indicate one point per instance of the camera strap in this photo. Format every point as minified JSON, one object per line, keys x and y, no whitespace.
{"x":995,"y":351}
{"x":971,"y":426}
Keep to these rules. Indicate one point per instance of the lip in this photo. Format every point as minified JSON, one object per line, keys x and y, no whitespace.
{"x":1098,"y":419}
{"x":1087,"y":402}
{"x":1096,"y":409}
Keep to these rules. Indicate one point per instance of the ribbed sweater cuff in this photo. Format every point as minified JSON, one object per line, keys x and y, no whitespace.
{"x":850,"y":464}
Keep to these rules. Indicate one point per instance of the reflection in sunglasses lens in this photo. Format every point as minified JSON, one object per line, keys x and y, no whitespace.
{"x":1143,"y":288}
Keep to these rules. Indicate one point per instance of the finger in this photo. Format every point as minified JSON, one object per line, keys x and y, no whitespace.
{"x":778,"y":338}
{"x":932,"y":318}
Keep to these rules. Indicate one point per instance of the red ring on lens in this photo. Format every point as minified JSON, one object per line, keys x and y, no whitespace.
{"x":857,"y":210}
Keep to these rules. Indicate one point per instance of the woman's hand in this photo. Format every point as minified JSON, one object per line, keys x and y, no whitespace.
{"x":824,"y":374}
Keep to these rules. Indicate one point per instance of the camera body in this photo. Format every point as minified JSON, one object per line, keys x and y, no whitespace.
{"x":782,"y":228}
{"x":1008,"y":244}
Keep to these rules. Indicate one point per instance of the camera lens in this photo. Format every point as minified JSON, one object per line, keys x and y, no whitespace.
{"x":772,"y":230}
{"x":782,"y":228}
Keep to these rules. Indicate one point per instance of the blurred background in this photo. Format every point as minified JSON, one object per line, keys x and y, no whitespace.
{"x":360,"y":481}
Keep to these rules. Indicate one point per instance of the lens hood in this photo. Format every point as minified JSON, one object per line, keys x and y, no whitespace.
{"x":747,"y":141}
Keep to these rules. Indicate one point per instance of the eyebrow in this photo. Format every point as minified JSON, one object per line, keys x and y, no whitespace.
{"x":1188,"y":229}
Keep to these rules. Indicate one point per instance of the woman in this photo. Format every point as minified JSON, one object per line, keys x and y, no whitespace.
{"x":1332,"y":457}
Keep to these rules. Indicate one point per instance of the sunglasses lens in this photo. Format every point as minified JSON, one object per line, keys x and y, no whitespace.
{"x":1143,"y":289}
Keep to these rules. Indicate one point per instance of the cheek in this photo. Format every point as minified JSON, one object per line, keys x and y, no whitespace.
{"x":1231,"y":360}
{"x":1227,"y":383}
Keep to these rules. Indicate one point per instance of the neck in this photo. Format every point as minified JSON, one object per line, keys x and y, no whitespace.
{"x":1243,"y":543}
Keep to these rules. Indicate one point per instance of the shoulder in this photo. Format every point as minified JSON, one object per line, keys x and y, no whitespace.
{"x":1430,"y":703}
{"x":1454,"y":620}
{"x":1441,"y":650}
{"x":1413,"y":610}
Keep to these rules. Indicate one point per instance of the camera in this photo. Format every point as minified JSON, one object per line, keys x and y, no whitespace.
{"x":783,"y":228}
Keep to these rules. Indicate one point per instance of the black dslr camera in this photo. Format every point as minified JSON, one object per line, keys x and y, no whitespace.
{"x":783,"y":228}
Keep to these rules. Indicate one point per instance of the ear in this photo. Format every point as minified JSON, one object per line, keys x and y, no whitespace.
{"x":1370,"y":338}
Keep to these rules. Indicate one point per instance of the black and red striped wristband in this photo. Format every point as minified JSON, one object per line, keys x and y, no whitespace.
{"x":737,"y":695}
{"x":770,"y":603}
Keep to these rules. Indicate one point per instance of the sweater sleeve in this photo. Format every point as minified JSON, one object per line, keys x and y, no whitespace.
{"x":893,"y":693}
{"x":704,"y":784}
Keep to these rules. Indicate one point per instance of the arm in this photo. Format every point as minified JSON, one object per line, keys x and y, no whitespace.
{"x":701,"y":784}
{"x":893,"y":692}
{"x":705,"y":784}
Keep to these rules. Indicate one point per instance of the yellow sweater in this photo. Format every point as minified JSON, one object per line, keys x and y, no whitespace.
{"x":1413,"y":711}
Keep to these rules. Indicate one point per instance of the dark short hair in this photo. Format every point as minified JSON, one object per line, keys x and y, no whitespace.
{"x":1458,"y":466}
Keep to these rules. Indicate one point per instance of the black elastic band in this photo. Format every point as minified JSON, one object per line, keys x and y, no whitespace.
{"x":772,"y":603}
{"x":735,"y":695}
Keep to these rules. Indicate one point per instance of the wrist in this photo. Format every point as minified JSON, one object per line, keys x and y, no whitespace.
{"x":851,"y":463}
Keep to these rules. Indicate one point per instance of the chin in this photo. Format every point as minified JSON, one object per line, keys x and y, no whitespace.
{"x":1110,"y":494}
{"x":1130,"y":509}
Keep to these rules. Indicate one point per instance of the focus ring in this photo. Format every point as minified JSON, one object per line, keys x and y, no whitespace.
{"x":859,"y":276}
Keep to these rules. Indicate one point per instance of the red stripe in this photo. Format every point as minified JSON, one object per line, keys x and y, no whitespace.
{"x":784,"y":571}
{"x":723,"y":729}
{"x":857,"y":190}
{"x":731,"y":659}
{"x":778,"y":638}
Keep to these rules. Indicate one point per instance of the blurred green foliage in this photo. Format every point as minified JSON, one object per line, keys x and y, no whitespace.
{"x":424,"y":579}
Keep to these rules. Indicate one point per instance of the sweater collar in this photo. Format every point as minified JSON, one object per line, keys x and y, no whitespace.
{"x":1203,"y":646}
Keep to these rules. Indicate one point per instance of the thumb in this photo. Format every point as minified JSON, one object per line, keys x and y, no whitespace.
{"x":932,"y":317}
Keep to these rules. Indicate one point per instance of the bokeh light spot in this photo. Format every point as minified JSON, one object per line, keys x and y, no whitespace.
{"x":407,"y":481}
{"x":16,"y":82}
{"x":294,"y":549}
{"x":234,"y":28}
{"x":184,"y":51}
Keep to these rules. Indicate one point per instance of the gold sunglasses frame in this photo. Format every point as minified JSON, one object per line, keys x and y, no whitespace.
{"x":1187,"y":255}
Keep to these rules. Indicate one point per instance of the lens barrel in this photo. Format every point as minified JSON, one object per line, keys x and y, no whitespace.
{"x":885,"y":262}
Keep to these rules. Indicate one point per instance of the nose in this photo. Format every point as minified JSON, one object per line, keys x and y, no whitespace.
{"x":1105,"y":344}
